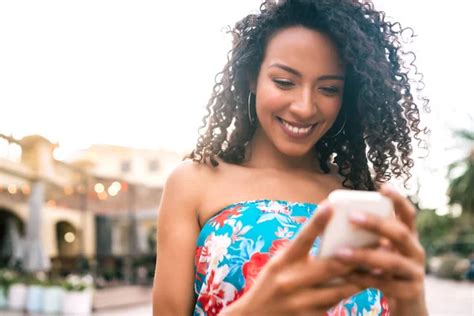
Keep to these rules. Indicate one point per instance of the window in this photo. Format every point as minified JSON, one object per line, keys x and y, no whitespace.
{"x":153,"y":165}
{"x":126,"y":166}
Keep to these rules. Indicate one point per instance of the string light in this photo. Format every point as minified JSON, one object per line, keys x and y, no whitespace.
{"x":12,"y":189}
{"x":102,"y":195}
{"x":25,"y":189}
{"x":69,"y":237}
{"x":117,"y":185}
{"x":124,"y":186}
{"x":99,"y":188}
{"x":114,"y":188}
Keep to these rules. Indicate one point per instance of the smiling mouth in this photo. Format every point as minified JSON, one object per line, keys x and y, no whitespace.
{"x":293,"y":131}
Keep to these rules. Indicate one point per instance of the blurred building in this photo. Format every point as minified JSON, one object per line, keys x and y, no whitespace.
{"x":125,"y":191}
{"x":101,"y":202}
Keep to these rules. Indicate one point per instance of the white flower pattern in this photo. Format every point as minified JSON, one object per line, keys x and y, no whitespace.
{"x":284,"y":233}
{"x":217,"y":248}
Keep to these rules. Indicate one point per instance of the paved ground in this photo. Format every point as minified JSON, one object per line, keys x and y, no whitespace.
{"x":449,"y":298}
{"x":141,"y":310}
{"x":444,"y":298}
{"x":114,"y":298}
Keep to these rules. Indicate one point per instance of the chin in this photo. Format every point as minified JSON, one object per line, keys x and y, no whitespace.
{"x":295,"y":151}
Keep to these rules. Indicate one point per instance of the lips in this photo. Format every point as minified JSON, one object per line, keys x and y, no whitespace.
{"x":294,"y":130}
{"x":298,"y":125}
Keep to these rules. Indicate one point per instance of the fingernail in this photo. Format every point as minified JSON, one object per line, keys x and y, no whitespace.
{"x":388,"y":188}
{"x":323,"y":208}
{"x":358,"y":217}
{"x":345,"y":253}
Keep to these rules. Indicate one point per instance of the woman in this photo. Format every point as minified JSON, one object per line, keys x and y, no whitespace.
{"x":314,"y":98}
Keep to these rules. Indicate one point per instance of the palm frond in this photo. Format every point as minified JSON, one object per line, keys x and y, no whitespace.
{"x":464,"y":134}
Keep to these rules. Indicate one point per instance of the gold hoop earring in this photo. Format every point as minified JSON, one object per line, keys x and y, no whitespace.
{"x":340,"y":130}
{"x":251,"y":118}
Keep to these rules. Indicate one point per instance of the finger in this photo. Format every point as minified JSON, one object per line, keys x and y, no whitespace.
{"x":397,"y":232}
{"x":301,"y":245}
{"x":403,"y":207}
{"x":321,"y":299}
{"x":399,"y":289}
{"x":315,"y":272}
{"x":388,"y":262}
{"x":385,"y":244}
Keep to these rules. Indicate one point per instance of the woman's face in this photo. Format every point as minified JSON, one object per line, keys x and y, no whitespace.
{"x":299,"y":89}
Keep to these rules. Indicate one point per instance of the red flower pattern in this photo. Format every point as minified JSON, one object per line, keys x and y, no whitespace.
{"x":253,"y":267}
{"x":299,"y":219}
{"x":200,"y":264}
{"x":278,"y":245}
{"x":220,"y":219}
{"x":216,"y":293}
{"x":385,"y":309}
{"x":212,"y":296}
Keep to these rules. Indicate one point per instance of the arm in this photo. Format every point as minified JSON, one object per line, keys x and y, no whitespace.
{"x":177,"y":231}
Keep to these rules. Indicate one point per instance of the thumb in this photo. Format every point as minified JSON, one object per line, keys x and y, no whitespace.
{"x":301,"y":245}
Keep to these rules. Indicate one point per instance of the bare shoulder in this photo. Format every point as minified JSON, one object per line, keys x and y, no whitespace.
{"x":182,"y":192}
{"x":189,"y":179}
{"x":188,"y":170}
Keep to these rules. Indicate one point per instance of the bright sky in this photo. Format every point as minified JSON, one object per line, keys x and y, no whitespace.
{"x":139,"y":73}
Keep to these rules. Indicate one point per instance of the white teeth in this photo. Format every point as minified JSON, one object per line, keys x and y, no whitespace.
{"x":298,"y":130}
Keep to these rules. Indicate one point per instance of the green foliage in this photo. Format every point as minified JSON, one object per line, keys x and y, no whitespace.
{"x":464,"y":134}
{"x":443,"y":234}
{"x":7,"y":278}
{"x":435,"y":232}
{"x":75,"y":283}
{"x":461,"y":187}
{"x":151,"y":239}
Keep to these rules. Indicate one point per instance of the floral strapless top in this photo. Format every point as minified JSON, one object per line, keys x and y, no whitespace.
{"x":235,"y":244}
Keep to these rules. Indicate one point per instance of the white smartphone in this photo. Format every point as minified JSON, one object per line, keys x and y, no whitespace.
{"x":340,"y":232}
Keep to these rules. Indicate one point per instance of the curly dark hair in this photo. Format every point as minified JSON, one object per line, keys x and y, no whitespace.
{"x":379,"y":110}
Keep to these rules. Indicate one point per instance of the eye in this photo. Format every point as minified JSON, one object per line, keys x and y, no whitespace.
{"x":330,"y":90}
{"x":283,"y":83}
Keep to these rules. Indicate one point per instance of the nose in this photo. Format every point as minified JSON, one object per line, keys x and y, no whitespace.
{"x":304,"y":107}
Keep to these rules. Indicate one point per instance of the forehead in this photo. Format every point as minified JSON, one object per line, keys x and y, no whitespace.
{"x":304,"y":49}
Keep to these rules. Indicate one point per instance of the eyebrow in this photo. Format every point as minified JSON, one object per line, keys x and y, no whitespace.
{"x":297,"y":73}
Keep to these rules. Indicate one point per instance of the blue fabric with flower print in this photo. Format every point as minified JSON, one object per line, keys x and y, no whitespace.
{"x":235,"y":244}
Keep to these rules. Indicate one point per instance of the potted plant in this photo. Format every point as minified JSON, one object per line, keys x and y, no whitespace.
{"x":7,"y":278}
{"x":78,"y":295}
{"x":53,"y":297}
{"x":35,"y":295}
{"x":17,"y":292}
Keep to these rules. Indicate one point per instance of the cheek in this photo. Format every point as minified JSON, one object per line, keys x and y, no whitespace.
{"x":330,"y":109}
{"x":269,"y":99}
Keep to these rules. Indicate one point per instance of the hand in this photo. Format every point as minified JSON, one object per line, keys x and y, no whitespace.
{"x":294,"y":282}
{"x":397,"y":266}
